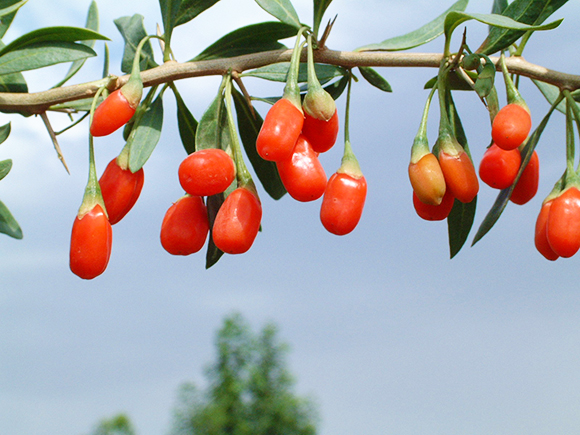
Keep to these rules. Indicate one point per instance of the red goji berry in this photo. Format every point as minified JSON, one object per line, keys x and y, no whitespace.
{"x":498,"y":168}
{"x":434,"y":212}
{"x":280,"y":130}
{"x":114,"y":112}
{"x":460,"y":175}
{"x":563,"y":226}
{"x":121,"y":189}
{"x":302,"y":173}
{"x":185,"y":226}
{"x":511,"y":126}
{"x":540,"y":236}
{"x":320,"y":133}
{"x":343,"y":203}
{"x":237,"y":222}
{"x":90,"y":245}
{"x":527,"y":186}
{"x":207,"y":172}
{"x":427,"y":180}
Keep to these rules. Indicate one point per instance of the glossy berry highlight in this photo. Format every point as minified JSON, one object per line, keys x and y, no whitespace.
{"x":343,"y":203}
{"x":280,"y":130}
{"x":120,"y":189}
{"x":511,"y":126}
{"x":114,"y":112}
{"x":91,"y":242}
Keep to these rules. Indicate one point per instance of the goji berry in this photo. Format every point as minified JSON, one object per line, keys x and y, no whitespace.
{"x":511,"y":126}
{"x":434,"y":212}
{"x":91,"y":242}
{"x":185,"y":226}
{"x":280,"y":130}
{"x":527,"y":186}
{"x":498,"y":168}
{"x":121,"y":189}
{"x":563,"y":226}
{"x":343,"y":203}
{"x":427,"y":179}
{"x":320,"y":133}
{"x":206,"y":172}
{"x":302,"y":173}
{"x":114,"y":112}
{"x":540,"y":236}
{"x":238,"y":221}
{"x":459,"y":174}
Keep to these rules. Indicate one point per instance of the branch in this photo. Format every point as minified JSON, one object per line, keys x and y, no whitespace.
{"x":39,"y":102}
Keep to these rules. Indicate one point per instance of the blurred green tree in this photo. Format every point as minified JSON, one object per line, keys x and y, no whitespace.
{"x":117,"y":425}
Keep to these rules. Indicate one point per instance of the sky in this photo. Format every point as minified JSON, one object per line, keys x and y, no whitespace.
{"x":387,"y":334}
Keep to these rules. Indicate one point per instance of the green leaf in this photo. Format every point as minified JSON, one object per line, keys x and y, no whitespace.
{"x":281,"y":9}
{"x":375,"y":79}
{"x":42,"y":55}
{"x":249,"y":124}
{"x":455,"y":19}
{"x":533,"y":12}
{"x":5,"y":166}
{"x":499,"y":6}
{"x":277,"y":72}
{"x":418,"y":37}
{"x":551,"y":94}
{"x":186,"y":123}
{"x":92,"y":24}
{"x":190,"y":9}
{"x":169,"y":13}
{"x":8,"y":9}
{"x":455,"y":81}
{"x":337,"y":88}
{"x":320,"y":7}
{"x":212,"y":130}
{"x":4,"y":132}
{"x":54,"y":35}
{"x":133,"y":31}
{"x":8,"y":224}
{"x":213,"y":253}
{"x":12,"y":82}
{"x":503,"y":198}
{"x":145,"y":136}
{"x":247,"y":40}
{"x":459,"y":224}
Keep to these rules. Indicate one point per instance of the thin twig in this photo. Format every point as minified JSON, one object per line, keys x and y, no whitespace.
{"x":46,"y":121}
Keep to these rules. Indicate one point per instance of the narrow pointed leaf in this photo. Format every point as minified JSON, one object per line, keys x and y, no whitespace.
{"x":5,"y":166}
{"x":213,"y":253}
{"x":499,"y":6}
{"x":249,"y":125}
{"x":320,"y":7}
{"x":92,"y":24}
{"x":374,"y":78}
{"x":145,"y":136}
{"x":455,"y":19}
{"x":212,"y":130}
{"x":249,"y":39}
{"x":4,"y":132}
{"x":186,"y":123}
{"x":503,"y":198}
{"x":12,"y":82}
{"x":7,"y":14}
{"x":189,"y":9}
{"x":418,"y":37}
{"x":52,"y":34}
{"x":133,"y":30}
{"x":533,"y":12}
{"x":42,"y":55}
{"x":551,"y":93}
{"x":8,"y":224}
{"x":278,"y":72}
{"x":281,"y":9}
{"x":169,"y":14}
{"x":337,"y":88}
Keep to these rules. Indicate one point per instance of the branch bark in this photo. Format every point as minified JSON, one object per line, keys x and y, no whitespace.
{"x":39,"y":102}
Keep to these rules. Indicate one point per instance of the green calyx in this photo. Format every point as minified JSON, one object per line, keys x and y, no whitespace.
{"x":513,"y":95}
{"x":292,"y":90}
{"x":421,"y":144}
{"x":318,"y":103}
{"x":349,"y":164}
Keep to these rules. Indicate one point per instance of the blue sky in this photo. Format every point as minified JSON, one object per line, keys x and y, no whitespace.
{"x":387,"y":334}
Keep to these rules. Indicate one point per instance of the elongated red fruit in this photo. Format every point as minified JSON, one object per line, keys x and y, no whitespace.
{"x":237,"y":222}
{"x":460,"y":175}
{"x":563,"y":226}
{"x":114,"y":112}
{"x":90,"y":245}
{"x":527,"y":186}
{"x":343,"y":203}
{"x":511,"y":126}
{"x":320,"y":133}
{"x":185,"y":226}
{"x":498,"y":168}
{"x":121,"y":189}
{"x":427,"y":179}
{"x":302,"y":173}
{"x":280,"y":130}
{"x":434,"y":212}
{"x":541,"y":237}
{"x":206,"y":172}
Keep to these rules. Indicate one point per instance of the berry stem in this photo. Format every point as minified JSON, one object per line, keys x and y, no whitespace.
{"x":292,"y":90}
{"x":349,"y":163}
